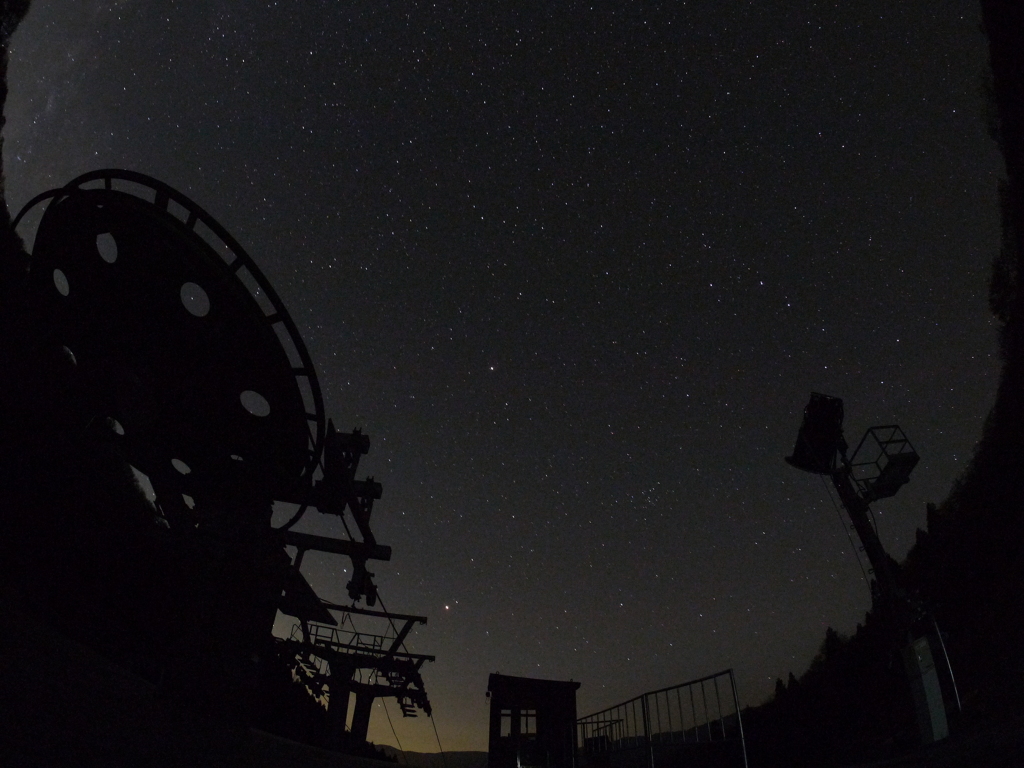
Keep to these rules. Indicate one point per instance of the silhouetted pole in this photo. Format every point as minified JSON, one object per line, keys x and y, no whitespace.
{"x":821,"y":449}
{"x":858,"y":510}
{"x":361,"y":715}
{"x":337,"y":705}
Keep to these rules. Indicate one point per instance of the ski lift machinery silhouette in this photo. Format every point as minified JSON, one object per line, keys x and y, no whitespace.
{"x":184,"y":350}
{"x":878,"y":468}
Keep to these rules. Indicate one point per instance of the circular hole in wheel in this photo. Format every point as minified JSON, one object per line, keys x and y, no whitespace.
{"x":255,"y":403}
{"x":181,"y":466}
{"x":60,"y":282}
{"x":106,"y":246}
{"x":195,"y":299}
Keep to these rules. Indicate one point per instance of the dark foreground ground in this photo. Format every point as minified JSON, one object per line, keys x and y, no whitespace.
{"x":437,"y":760}
{"x":64,"y":705}
{"x":995,"y":747}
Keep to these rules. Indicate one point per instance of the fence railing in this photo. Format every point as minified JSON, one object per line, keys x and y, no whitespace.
{"x":697,"y":722}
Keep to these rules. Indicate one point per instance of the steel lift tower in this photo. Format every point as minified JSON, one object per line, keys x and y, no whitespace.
{"x":169,"y":350}
{"x":877,"y":469}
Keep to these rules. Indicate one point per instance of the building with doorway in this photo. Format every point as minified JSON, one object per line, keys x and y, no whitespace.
{"x":532,"y":724}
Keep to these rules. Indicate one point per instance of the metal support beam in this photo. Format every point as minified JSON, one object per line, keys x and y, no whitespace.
{"x":857,"y":509}
{"x":400,"y":638}
{"x":378,"y":614}
{"x":304,"y":541}
{"x":361,"y":716}
{"x":337,"y":714}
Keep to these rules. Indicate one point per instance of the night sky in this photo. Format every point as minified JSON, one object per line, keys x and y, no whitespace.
{"x":575,"y":270}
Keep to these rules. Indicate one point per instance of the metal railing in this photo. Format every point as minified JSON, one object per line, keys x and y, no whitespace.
{"x":343,"y":636}
{"x":694,"y":722}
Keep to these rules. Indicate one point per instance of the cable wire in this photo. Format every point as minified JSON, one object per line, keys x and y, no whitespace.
{"x":444,"y":759}
{"x":393,"y":731}
{"x":390,"y":621}
{"x":394,"y":629}
{"x":874,"y":523}
{"x":847,"y":529}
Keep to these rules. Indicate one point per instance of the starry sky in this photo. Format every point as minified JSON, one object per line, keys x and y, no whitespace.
{"x":575,"y":269}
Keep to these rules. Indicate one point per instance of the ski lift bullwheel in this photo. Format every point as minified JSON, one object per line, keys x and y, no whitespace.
{"x":181,"y":346}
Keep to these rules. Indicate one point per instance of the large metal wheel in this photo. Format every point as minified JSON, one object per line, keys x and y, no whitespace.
{"x":181,"y":346}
